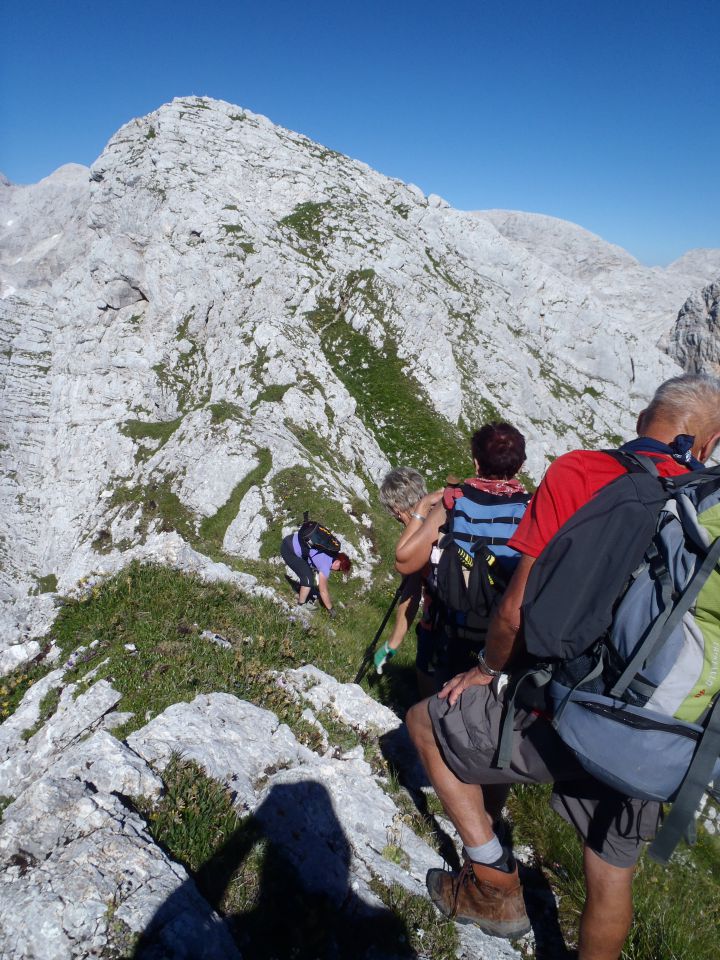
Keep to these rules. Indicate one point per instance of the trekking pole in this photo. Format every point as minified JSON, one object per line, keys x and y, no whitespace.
{"x":369,"y":653}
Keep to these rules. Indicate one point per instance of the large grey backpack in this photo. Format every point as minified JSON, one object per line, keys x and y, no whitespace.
{"x":623,"y":605}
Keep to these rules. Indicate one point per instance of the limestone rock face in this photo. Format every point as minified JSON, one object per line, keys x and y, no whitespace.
{"x":72,"y":720}
{"x":234,"y":741}
{"x":695,"y":341}
{"x":80,"y":872}
{"x":183,"y":327}
{"x":81,"y":875}
{"x":42,"y":228}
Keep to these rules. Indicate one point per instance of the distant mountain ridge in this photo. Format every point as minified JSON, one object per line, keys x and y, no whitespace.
{"x":225,"y":321}
{"x":647,"y":296}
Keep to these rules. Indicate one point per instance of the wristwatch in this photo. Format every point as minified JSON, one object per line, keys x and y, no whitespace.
{"x":482,"y":663}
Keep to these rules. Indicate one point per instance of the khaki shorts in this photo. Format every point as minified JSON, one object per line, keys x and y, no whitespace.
{"x":613,"y":826}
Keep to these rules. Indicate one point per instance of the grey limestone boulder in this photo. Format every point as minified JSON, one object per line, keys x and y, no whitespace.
{"x":73,"y":719}
{"x":695,"y":341}
{"x":80,"y":872}
{"x":235,"y":742}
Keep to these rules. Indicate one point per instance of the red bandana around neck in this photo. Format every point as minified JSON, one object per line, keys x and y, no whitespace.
{"x":497,"y":488}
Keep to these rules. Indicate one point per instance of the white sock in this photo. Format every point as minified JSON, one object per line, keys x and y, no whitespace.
{"x":489,"y":852}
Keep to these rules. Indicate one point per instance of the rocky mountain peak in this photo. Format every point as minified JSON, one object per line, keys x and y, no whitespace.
{"x":226,"y":322}
{"x":217,"y":326}
{"x":695,"y":340}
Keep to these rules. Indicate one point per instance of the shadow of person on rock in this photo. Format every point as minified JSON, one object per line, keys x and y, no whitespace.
{"x":283,"y":883}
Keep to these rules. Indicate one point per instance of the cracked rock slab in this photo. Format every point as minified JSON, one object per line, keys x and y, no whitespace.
{"x":75,"y":862}
{"x":347,"y":701}
{"x":72,"y":720}
{"x":234,"y":741}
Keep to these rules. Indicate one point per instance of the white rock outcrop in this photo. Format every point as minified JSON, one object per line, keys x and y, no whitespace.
{"x":81,"y":875}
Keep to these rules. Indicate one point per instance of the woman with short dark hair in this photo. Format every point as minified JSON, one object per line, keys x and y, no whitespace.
{"x":468,"y":527}
{"x":498,"y":450}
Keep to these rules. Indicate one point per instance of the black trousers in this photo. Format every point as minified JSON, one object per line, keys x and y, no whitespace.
{"x":301,"y":568}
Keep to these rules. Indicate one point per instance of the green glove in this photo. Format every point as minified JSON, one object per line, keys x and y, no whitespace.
{"x":382,"y":656}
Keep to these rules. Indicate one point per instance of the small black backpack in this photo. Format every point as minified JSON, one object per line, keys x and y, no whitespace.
{"x":313,"y":535}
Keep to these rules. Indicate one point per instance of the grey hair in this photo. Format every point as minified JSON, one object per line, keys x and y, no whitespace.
{"x":692,"y":400}
{"x":401,"y":489}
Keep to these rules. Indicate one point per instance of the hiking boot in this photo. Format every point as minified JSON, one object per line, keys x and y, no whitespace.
{"x":482,"y":895}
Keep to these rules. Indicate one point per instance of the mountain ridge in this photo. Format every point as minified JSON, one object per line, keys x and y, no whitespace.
{"x":221,"y":286}
{"x":220,"y":325}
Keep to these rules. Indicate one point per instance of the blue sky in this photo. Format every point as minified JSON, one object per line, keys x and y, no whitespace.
{"x":600,"y":112}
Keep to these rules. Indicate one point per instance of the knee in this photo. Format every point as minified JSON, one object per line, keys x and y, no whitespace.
{"x":418,"y":723}
{"x":605,"y":881}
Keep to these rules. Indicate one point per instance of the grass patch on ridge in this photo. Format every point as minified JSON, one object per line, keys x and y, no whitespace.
{"x":46,"y":708}
{"x":163,"y":612}
{"x":307,"y":220}
{"x":160,"y":505}
{"x":213,"y":528}
{"x":390,"y":402}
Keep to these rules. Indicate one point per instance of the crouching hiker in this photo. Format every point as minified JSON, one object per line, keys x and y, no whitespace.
{"x":401,"y":492}
{"x":312,"y":553}
{"x":459,"y":732}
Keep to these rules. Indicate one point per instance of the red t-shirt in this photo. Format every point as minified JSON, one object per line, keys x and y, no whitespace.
{"x":570,"y":481}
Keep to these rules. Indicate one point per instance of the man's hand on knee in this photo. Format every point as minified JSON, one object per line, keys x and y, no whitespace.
{"x":472,"y":678}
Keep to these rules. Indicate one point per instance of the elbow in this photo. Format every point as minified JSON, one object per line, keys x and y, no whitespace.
{"x":406,"y":565}
{"x":508,"y":616}
{"x":410,"y":558}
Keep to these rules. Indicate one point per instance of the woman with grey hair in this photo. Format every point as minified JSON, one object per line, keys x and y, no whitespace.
{"x":400,"y":492}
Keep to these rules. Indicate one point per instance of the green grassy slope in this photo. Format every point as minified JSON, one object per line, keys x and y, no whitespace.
{"x":162,"y":612}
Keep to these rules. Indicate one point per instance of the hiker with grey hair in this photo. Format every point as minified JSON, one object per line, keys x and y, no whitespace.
{"x":400,"y":492}
{"x":457,"y":733}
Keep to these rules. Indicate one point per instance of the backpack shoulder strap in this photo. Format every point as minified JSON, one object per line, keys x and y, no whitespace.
{"x":451,"y":493}
{"x":304,"y":545}
{"x":634,"y":462}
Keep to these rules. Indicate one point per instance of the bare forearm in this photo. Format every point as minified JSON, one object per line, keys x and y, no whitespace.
{"x":415,"y":544}
{"x":322,"y":587}
{"x":501,"y":641}
{"x":503,"y":638}
{"x":407,"y":608}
